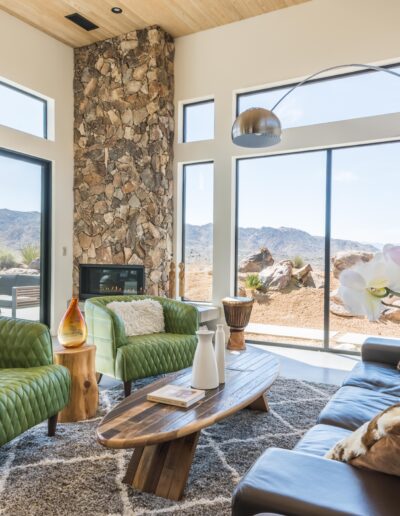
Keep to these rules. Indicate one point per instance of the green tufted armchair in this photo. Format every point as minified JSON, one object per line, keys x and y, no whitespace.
{"x":131,"y":358}
{"x":32,"y":389}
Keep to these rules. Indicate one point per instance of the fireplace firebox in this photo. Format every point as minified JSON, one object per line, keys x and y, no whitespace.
{"x":109,"y":280}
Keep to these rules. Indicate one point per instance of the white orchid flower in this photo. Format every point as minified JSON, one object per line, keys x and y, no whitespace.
{"x":363,"y":286}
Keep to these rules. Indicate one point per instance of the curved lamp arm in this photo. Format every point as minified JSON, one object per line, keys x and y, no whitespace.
{"x":368,"y":67}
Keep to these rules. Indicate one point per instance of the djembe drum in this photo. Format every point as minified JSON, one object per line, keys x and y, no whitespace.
{"x":237,"y":315}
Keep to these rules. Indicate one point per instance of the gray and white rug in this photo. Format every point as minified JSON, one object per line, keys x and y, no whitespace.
{"x":71,"y":475}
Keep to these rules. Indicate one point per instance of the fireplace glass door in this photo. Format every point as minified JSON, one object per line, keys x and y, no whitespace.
{"x":106,"y":280}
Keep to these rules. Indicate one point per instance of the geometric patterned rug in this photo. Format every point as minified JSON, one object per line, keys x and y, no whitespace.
{"x":71,"y":474}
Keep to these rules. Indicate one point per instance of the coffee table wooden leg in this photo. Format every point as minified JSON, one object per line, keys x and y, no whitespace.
{"x":163,"y":468}
{"x":260,"y":403}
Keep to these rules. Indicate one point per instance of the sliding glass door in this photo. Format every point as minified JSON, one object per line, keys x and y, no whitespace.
{"x":24,"y":237}
{"x":365,"y":215}
{"x":281,"y":247}
{"x":302,"y":219}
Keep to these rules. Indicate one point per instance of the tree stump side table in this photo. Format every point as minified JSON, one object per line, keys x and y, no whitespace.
{"x":84,"y":390}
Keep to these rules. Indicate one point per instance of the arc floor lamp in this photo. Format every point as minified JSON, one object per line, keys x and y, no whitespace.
{"x":259,"y":127}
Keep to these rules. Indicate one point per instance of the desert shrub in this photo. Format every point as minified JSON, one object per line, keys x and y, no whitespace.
{"x":7,"y":260}
{"x":298,"y":262}
{"x":253,"y":281}
{"x":29,"y":253}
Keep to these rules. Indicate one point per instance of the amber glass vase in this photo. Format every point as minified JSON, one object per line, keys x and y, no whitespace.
{"x":72,"y":331}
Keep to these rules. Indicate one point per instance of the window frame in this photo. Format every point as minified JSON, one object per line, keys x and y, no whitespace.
{"x":183,"y":221}
{"x":184,"y":119}
{"x":327,"y":238}
{"x":292,"y":84}
{"x":33,"y":96}
{"x":45,"y":228}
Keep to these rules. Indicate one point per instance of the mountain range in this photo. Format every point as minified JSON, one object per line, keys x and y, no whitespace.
{"x":19,"y":228}
{"x":283,"y":243}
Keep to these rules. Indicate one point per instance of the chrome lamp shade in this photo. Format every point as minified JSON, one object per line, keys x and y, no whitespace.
{"x":256,"y":127}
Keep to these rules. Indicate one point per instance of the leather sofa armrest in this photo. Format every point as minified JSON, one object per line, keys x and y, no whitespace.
{"x":377,"y":349}
{"x":297,"y":484}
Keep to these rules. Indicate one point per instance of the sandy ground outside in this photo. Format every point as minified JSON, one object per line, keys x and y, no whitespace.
{"x":295,"y":307}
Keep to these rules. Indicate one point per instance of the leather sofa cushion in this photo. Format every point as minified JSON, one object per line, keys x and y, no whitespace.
{"x":375,"y":376}
{"x":352,"y":406}
{"x":29,"y":396}
{"x":148,"y":355}
{"x":320,"y":439}
{"x":298,"y":484}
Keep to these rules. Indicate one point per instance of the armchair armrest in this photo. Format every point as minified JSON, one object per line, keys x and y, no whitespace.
{"x":179,"y":317}
{"x":24,"y":343}
{"x":297,"y":484}
{"x":106,"y":331}
{"x":377,"y":349}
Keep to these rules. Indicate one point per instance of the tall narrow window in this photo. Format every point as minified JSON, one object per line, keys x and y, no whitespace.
{"x":198,"y":121}
{"x":24,"y":237}
{"x":197,"y":231}
{"x":23,"y":111}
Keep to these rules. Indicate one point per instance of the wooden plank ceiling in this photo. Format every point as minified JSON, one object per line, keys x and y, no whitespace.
{"x":178,"y":17}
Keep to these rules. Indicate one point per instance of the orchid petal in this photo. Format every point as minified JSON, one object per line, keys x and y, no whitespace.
{"x":392,"y":252}
{"x":352,"y":279}
{"x":353,"y":300}
{"x":373,"y":307}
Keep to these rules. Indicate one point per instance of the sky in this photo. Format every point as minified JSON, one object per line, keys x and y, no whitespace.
{"x":21,"y":111}
{"x":20,"y":185}
{"x":290,"y":190}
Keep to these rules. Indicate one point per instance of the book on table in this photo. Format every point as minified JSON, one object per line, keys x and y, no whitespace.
{"x":176,"y":395}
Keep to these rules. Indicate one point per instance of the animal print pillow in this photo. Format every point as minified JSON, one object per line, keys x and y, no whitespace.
{"x":375,"y":445}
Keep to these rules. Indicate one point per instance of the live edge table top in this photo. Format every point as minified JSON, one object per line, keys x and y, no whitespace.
{"x":136,"y":422}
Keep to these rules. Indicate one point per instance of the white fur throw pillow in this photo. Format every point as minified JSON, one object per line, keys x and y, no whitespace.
{"x":375,"y":445}
{"x":139,"y":317}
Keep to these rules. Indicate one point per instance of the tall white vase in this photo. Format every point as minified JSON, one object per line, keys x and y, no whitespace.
{"x":204,"y":371}
{"x":220,"y":352}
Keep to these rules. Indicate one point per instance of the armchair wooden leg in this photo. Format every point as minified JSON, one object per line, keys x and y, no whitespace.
{"x":127,"y":388}
{"x":99,"y":376}
{"x":52,"y":425}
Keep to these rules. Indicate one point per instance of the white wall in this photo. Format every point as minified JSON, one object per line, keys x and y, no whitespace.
{"x":272,"y":49}
{"x":40,"y":63}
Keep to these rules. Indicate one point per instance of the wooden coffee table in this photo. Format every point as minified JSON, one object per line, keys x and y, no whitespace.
{"x":165,"y":437}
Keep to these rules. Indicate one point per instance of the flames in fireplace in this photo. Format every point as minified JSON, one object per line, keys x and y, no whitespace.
{"x":115,"y":289}
{"x":110,"y":280}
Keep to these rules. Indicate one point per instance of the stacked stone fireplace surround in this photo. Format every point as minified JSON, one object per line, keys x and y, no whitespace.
{"x":123,"y":139}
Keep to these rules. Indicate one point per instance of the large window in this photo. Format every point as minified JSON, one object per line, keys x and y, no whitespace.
{"x":197,"y":231}
{"x":23,"y":111}
{"x":301,"y":220}
{"x":330,"y":100}
{"x":365,"y":211}
{"x":281,"y":227}
{"x":24,"y":237}
{"x":198,"y":121}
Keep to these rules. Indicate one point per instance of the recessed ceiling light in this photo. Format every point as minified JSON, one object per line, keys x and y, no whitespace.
{"x":116,"y":10}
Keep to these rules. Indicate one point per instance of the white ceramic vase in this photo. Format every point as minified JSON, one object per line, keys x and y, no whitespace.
{"x":220,"y":352}
{"x":204,"y":370}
